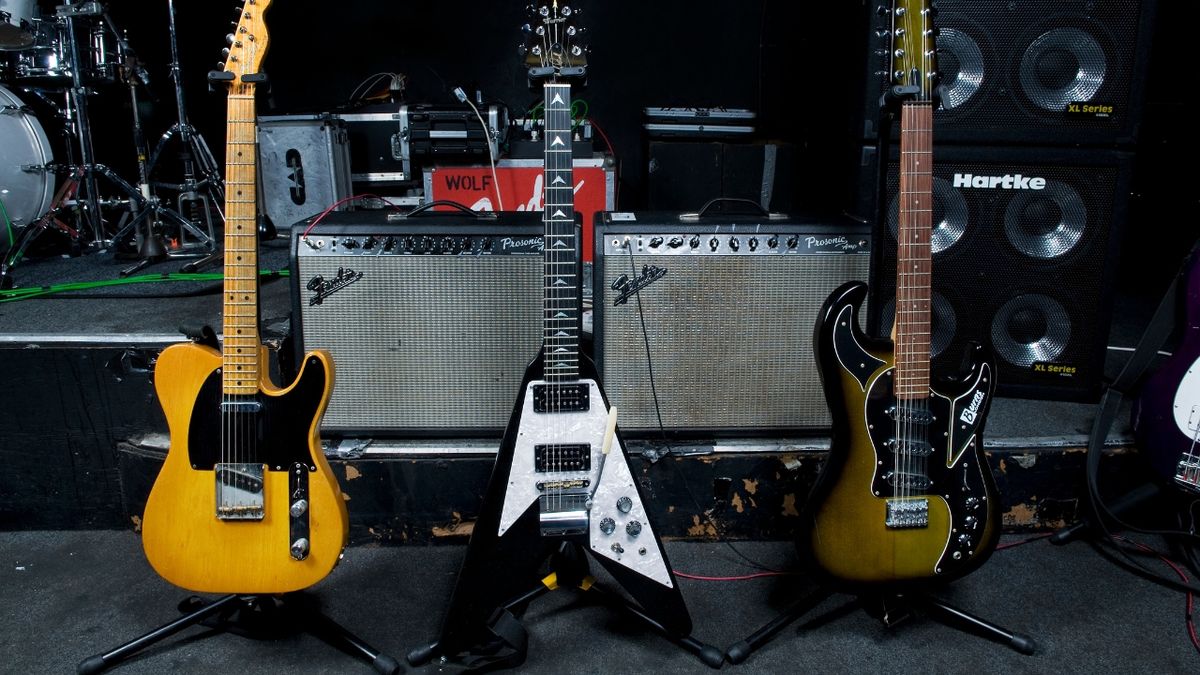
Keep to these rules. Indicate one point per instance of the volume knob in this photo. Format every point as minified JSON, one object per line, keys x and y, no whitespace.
{"x":624,"y":504}
{"x":633,"y":528}
{"x":608,"y":526}
{"x":300,"y":548}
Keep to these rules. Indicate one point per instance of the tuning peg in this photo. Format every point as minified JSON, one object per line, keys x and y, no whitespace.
{"x":229,"y":39}
{"x":522,"y":49}
{"x":526,"y":29}
{"x":544,"y":10}
{"x":566,"y":10}
{"x":225,"y":52}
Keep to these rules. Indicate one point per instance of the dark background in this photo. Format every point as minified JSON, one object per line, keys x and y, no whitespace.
{"x":799,"y":65}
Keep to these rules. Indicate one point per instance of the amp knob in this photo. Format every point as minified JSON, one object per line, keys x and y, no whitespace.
{"x":773,"y":242}
{"x":675,"y":242}
{"x":713,"y":243}
{"x":656,"y":242}
{"x":753,"y":243}
{"x":734,"y":243}
{"x":694,"y":242}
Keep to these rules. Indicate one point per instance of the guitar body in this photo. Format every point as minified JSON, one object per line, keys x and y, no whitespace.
{"x":184,"y":540}
{"x":1166,"y":413}
{"x":508,"y":552}
{"x":847,"y":535}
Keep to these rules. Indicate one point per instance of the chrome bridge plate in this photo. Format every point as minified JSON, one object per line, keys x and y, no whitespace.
{"x":1187,"y":474}
{"x":564,"y":515}
{"x":239,"y":491}
{"x":907,"y":513}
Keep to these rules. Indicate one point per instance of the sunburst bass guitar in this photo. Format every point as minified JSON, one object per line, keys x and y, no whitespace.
{"x":245,"y":501}
{"x":907,"y":495}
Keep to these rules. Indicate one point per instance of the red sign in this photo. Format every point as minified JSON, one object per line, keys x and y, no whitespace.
{"x":521,"y":189}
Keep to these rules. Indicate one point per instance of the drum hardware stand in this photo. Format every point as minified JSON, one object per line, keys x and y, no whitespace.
{"x":31,"y":232}
{"x":197,"y":196}
{"x":77,"y":100}
{"x":260,"y":617}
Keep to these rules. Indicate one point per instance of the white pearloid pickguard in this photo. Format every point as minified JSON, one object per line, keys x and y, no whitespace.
{"x":1187,"y":401}
{"x":610,"y":479}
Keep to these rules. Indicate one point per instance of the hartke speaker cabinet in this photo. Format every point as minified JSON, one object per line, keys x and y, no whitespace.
{"x":1029,"y":71}
{"x":1024,"y":256}
{"x":431,"y":319}
{"x":729,"y":305}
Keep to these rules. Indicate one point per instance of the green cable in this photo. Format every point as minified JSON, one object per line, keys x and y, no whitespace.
{"x":8,"y":223}
{"x":577,"y":118}
{"x":27,"y":293}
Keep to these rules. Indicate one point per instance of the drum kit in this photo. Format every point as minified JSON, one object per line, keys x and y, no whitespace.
{"x":49,"y":67}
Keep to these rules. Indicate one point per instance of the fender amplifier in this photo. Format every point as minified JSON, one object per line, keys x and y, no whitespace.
{"x":729,"y":307}
{"x":431,"y":318}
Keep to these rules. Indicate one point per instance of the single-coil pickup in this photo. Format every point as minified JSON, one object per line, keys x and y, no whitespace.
{"x":909,"y":415}
{"x":554,"y":398}
{"x":562,"y":457}
{"x":914,"y":481}
{"x":910,"y":447}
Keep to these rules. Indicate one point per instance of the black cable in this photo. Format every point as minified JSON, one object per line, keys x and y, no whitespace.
{"x":663,"y":431}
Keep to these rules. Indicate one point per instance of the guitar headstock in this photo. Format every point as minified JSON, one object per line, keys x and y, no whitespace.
{"x":247,"y":42}
{"x":553,"y":48}
{"x":914,"y":49}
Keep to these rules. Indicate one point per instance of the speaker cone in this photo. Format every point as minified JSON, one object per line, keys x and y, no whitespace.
{"x":960,"y":64}
{"x":1031,"y":328}
{"x":1047,"y":223}
{"x":1062,"y":66}
{"x":950,"y":216}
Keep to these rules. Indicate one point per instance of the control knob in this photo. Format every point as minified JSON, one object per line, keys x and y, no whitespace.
{"x":793,"y":241}
{"x":753,"y":243}
{"x":694,"y":242}
{"x":773,"y":241}
{"x":608,"y":526}
{"x":713,"y":243}
{"x":633,"y":528}
{"x":624,"y":504}
{"x":655,"y":242}
{"x":734,"y":243}
{"x":675,"y":242}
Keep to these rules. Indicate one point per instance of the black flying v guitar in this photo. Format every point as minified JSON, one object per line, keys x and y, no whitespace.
{"x":561,"y":483}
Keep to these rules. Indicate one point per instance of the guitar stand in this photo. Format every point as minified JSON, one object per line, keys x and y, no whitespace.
{"x":891,"y":608}
{"x":509,"y":646}
{"x":254,"y":616}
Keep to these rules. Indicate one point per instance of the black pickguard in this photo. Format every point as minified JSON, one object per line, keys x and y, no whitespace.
{"x":276,"y":435}
{"x":498,"y":569}
{"x":953,"y":467}
{"x":837,"y":344}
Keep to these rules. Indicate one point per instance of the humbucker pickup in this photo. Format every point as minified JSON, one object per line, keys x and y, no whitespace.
{"x":553,"y":398}
{"x":562,"y":457}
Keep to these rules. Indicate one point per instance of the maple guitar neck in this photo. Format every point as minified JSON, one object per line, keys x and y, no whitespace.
{"x":240,"y":355}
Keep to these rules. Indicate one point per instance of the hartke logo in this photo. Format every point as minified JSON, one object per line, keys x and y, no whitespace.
{"x":1006,"y":182}
{"x":970,"y":412}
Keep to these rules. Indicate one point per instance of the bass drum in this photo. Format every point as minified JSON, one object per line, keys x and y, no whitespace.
{"x":26,"y":184}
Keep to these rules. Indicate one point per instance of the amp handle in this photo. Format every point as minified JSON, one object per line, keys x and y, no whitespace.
{"x":758,"y":209}
{"x":424,"y":210}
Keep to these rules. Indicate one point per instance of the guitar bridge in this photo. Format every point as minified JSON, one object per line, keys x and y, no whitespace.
{"x":1187,"y":474}
{"x":239,"y":491}
{"x":564,"y":515}
{"x":907,"y":513}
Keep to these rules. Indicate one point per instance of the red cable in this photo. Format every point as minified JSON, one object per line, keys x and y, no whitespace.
{"x":338,"y":203}
{"x":1189,"y":621}
{"x":1014,"y":544}
{"x":613,"y":152}
{"x":744,"y":577}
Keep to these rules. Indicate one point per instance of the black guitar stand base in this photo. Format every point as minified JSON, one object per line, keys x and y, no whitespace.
{"x":253,"y":616}
{"x":891,"y":608}
{"x":509,"y":643}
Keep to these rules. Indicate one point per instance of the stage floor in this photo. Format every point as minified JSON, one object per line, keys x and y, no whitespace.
{"x":67,"y":595}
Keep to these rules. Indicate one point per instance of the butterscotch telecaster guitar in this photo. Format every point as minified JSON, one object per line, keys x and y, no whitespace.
{"x":245,"y":502}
